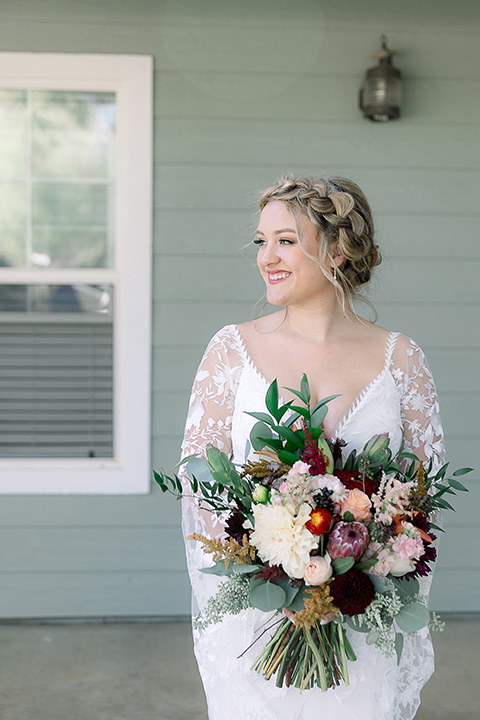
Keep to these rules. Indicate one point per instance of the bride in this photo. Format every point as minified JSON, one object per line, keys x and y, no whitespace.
{"x":315,"y":250}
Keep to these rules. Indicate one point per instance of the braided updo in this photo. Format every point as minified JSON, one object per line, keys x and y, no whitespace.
{"x":340,"y":212}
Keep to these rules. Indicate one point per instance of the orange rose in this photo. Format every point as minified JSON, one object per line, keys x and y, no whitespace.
{"x":357,"y":503}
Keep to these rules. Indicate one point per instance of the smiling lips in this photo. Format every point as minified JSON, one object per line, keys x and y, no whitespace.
{"x":277,"y":277}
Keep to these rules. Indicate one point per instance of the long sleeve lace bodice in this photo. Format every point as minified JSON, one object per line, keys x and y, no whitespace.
{"x":402,"y":401}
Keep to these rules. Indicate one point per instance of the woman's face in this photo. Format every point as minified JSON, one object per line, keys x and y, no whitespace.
{"x":290,"y":276}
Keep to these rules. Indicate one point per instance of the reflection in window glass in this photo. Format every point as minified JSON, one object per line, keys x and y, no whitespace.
{"x":87,"y":299}
{"x":57,"y":154}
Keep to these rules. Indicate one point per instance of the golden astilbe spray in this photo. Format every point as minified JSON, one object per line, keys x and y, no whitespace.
{"x":317,"y":606}
{"x":227,"y":550}
{"x":262,"y":468}
{"x":420,"y":499}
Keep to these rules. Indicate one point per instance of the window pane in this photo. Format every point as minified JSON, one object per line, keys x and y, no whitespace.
{"x":56,"y":371}
{"x":12,"y":249}
{"x":65,"y":247}
{"x":57,"y":156}
{"x":86,"y":299}
{"x":73,"y":134}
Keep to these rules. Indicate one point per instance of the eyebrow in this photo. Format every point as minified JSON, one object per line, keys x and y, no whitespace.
{"x":279,"y":232}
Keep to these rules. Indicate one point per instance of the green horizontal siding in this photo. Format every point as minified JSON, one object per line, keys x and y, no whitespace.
{"x":244,"y":92}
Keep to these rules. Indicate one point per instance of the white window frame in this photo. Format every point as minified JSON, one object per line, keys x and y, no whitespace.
{"x":130,"y":77}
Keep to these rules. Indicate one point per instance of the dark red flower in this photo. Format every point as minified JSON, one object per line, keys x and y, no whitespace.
{"x":313,"y":455}
{"x":352,"y":592}
{"x":422,"y":566}
{"x":234,"y":526}
{"x":271,"y":572}
{"x":320,"y":521}
{"x":353,"y":481}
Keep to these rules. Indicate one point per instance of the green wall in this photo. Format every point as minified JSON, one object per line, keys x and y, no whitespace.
{"x":245,"y":91}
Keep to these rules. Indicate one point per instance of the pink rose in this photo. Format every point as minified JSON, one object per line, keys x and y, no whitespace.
{"x":318,"y":571}
{"x":357,"y":503}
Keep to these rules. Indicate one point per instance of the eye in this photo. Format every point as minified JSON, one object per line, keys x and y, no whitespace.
{"x":286,"y":241}
{"x":258,"y":241}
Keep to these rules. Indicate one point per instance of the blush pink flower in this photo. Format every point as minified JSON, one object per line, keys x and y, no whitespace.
{"x":357,"y":503}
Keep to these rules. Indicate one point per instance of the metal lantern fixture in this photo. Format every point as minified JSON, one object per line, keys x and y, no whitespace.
{"x":381,"y":92}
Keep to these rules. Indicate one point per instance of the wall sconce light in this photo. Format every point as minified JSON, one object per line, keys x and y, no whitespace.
{"x":381,"y":91}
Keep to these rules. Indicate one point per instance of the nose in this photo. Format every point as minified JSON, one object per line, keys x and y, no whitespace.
{"x":269,"y":254}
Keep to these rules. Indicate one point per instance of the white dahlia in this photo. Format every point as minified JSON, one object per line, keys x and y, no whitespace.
{"x":281,"y":537}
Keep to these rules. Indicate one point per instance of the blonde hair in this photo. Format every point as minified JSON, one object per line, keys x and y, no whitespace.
{"x":340,"y":212}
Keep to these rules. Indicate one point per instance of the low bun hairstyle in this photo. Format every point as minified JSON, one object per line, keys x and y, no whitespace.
{"x":340,"y":212}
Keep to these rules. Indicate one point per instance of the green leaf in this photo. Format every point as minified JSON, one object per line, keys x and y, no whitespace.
{"x":318,"y":416}
{"x":289,"y":434}
{"x":462,"y":471}
{"x":271,"y":399}
{"x":457,"y":485}
{"x":290,"y":592}
{"x":343,"y":565}
{"x":407,"y":587}
{"x":366,"y":564}
{"x":263,"y":417}
{"x":398,"y":646}
{"x":349,"y":517}
{"x":355,"y":623}
{"x":198,"y":467}
{"x":412,"y":617}
{"x":287,"y":458}
{"x":218,"y":569}
{"x":372,"y":637}
{"x":436,"y":527}
{"x":297,"y":604}
{"x":260,"y":432}
{"x":267,"y":596}
{"x":305,"y":389}
{"x":292,"y":419}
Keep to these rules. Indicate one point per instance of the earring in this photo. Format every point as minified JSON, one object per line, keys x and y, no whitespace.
{"x":334,"y":273}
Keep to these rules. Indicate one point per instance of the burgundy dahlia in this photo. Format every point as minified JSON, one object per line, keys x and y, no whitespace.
{"x":348,"y":539}
{"x":352,"y":592}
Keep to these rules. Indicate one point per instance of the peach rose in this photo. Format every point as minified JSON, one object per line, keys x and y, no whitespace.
{"x":357,"y":503}
{"x":318,"y":571}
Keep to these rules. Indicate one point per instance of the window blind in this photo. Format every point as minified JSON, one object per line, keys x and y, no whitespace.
{"x":56,"y":388}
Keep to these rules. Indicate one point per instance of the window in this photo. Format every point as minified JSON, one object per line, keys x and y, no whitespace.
{"x":75,"y":265}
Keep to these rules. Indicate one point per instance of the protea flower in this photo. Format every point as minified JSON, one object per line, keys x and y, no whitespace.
{"x":348,"y":539}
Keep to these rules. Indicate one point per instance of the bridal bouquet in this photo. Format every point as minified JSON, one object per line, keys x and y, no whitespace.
{"x":330,"y":546}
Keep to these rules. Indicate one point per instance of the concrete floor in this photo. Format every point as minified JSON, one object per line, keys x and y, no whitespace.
{"x":146,"y":671}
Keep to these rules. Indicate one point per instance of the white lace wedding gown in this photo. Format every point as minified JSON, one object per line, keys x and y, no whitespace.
{"x":227,"y":385}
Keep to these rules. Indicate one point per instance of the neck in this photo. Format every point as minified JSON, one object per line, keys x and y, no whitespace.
{"x":323,"y":322}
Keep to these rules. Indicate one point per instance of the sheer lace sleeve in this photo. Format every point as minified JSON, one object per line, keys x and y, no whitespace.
{"x":209,"y":422}
{"x":419,"y":403}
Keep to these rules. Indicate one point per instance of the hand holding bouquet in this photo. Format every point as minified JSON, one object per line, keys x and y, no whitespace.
{"x":337,"y":544}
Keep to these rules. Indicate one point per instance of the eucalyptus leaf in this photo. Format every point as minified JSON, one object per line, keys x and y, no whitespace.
{"x":259,"y":434}
{"x":407,"y":587}
{"x":198,"y":467}
{"x":297,"y":604}
{"x":412,"y":617}
{"x":372,"y":637}
{"x":218,"y":569}
{"x":267,"y":596}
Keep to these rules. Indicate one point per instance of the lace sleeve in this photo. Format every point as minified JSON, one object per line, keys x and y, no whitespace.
{"x":422,"y":426}
{"x":209,"y":422}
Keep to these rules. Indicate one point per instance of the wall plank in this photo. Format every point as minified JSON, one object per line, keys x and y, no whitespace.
{"x":244,"y":92}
